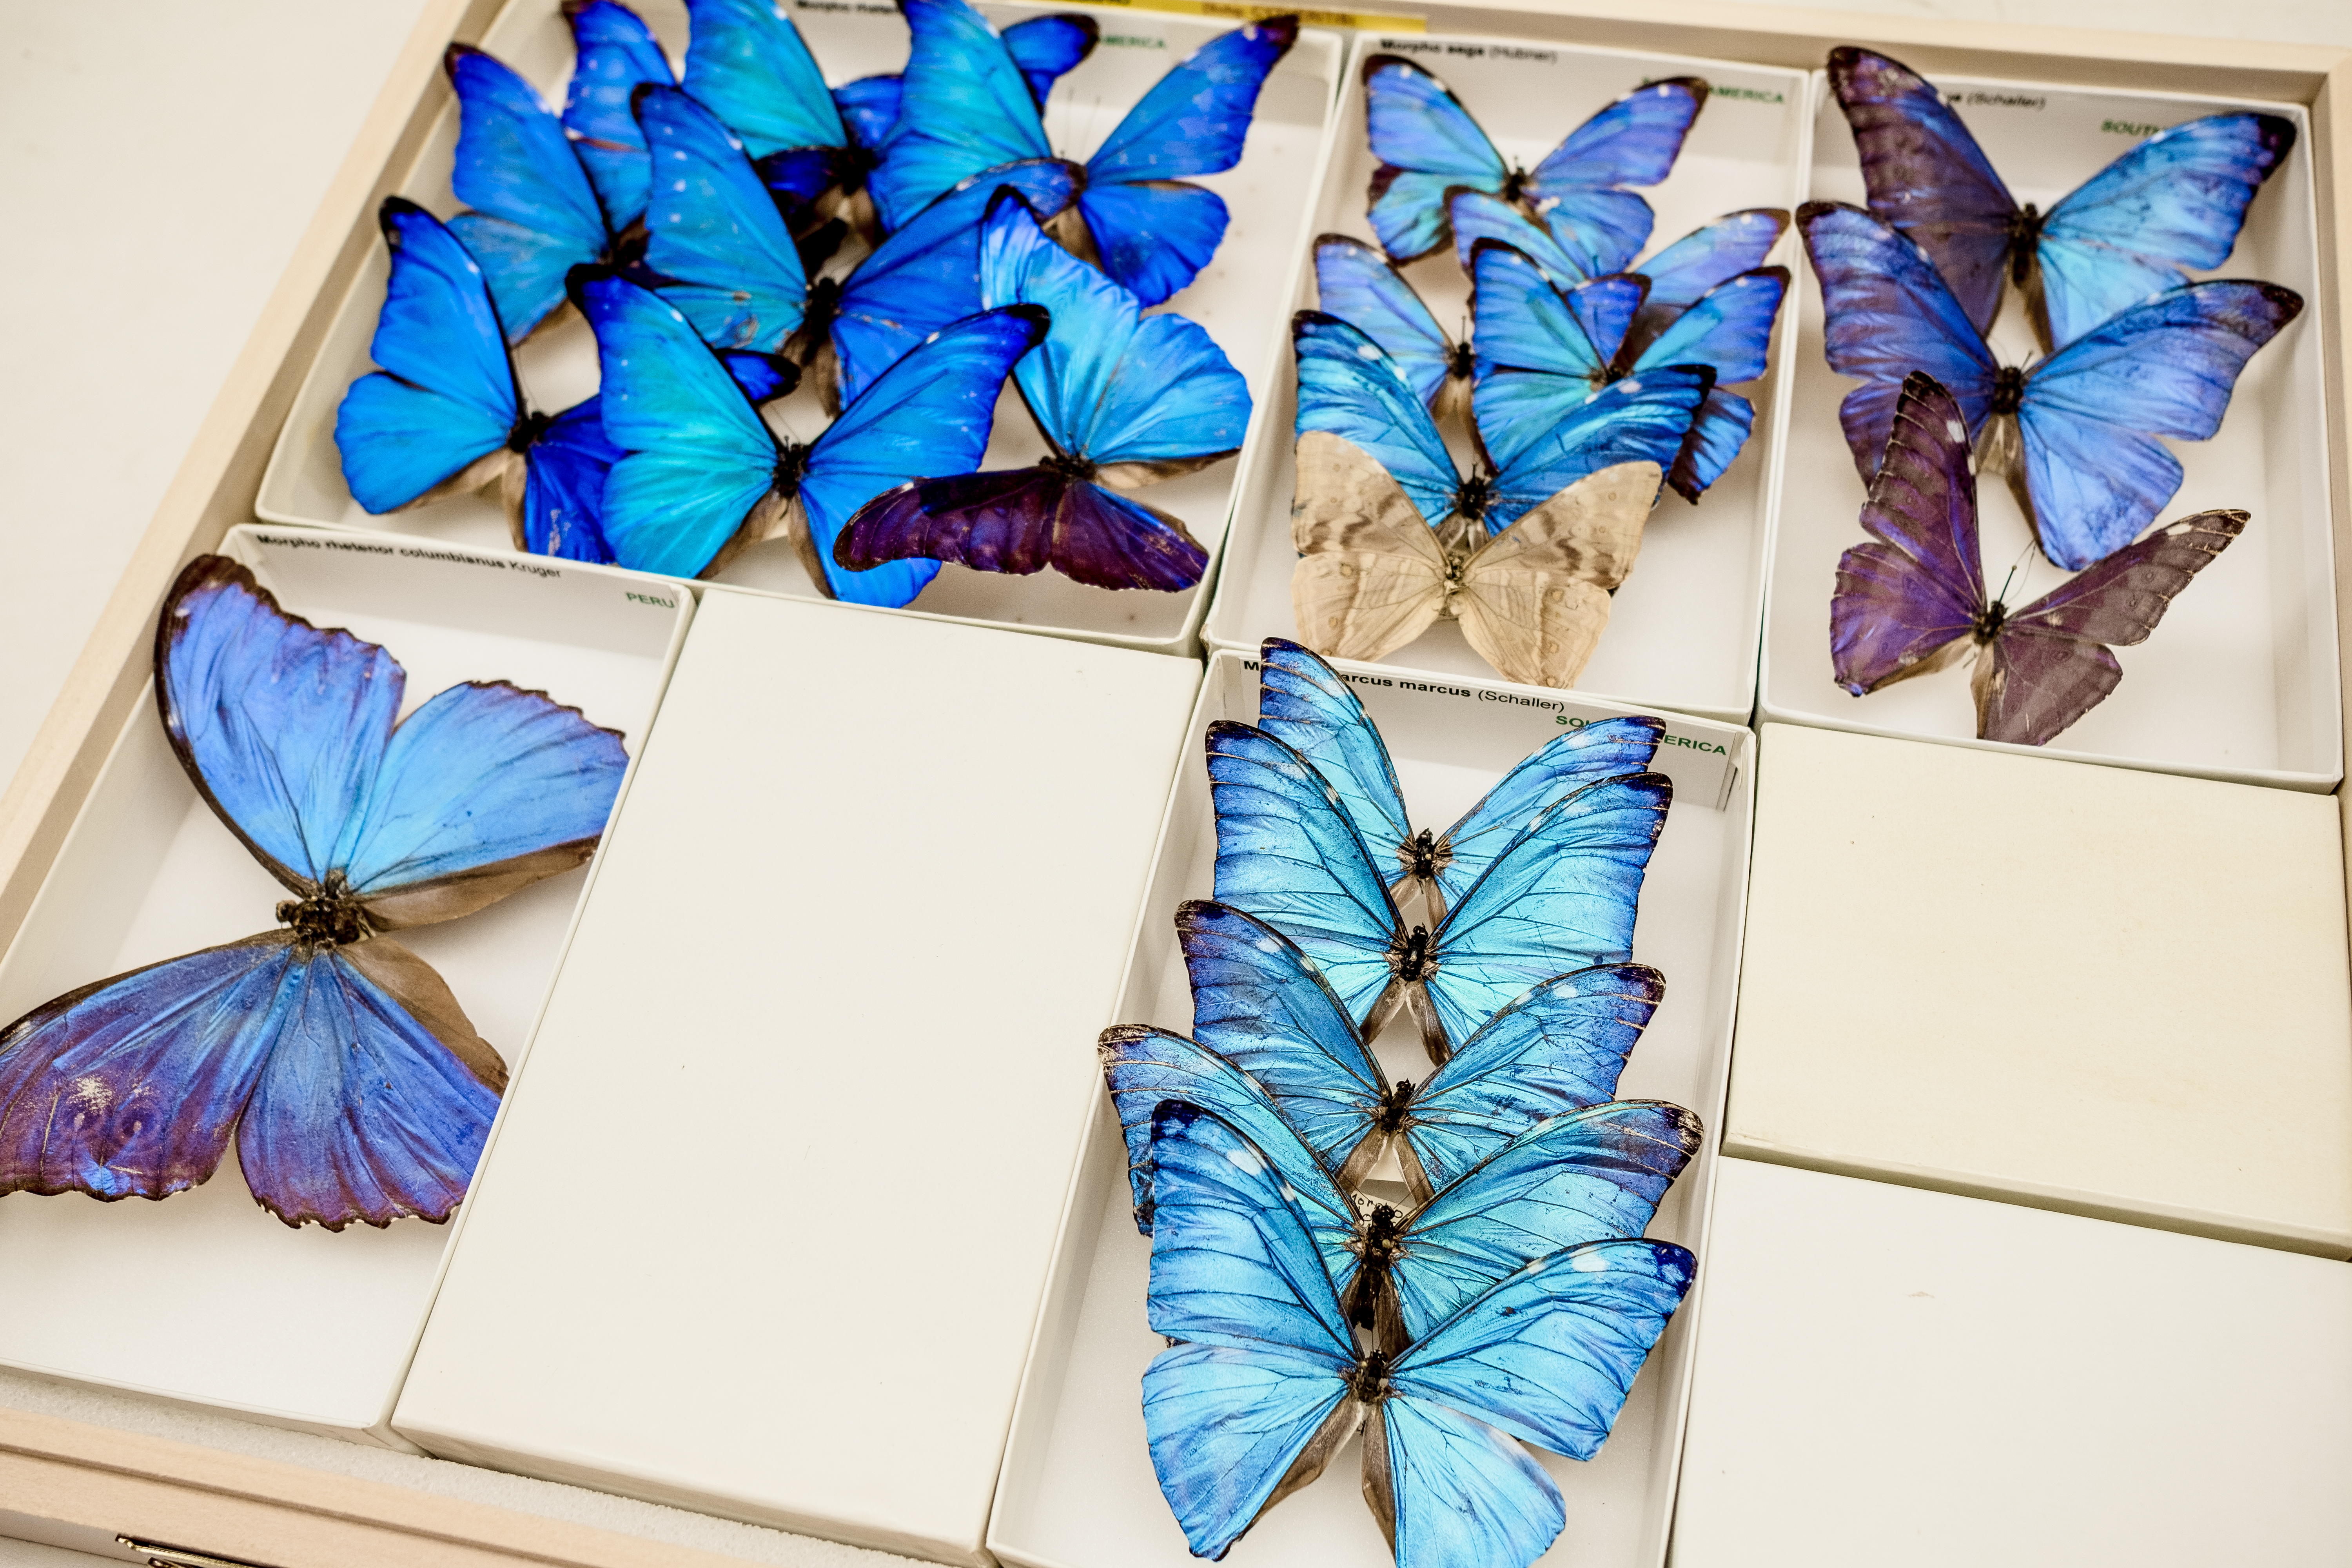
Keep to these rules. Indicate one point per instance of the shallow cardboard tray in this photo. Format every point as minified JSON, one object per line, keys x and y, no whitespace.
{"x":2240,"y":680}
{"x":2095,"y":989}
{"x":1269,"y":195}
{"x":1682,"y":629}
{"x":1077,"y":1485}
{"x":1887,"y":1375}
{"x":765,"y":1233}
{"x":300,"y":1328}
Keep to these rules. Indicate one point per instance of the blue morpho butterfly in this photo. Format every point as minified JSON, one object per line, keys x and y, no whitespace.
{"x":347,"y":1073}
{"x":1429,"y":146}
{"x":967,"y":108}
{"x":615,"y":54}
{"x":748,"y":64}
{"x":1122,"y":399}
{"x":1271,"y":1038}
{"x":1569,"y":346}
{"x":446,"y":414}
{"x":1305,"y":704}
{"x":534,"y":212}
{"x":2076,"y":434}
{"x":1561,"y":895}
{"x":726,"y":258}
{"x":1264,"y":1380}
{"x":2176,"y":200}
{"x":703,"y":476}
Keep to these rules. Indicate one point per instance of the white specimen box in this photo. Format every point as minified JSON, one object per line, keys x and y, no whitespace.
{"x":1239,"y":297}
{"x":2119,"y":993}
{"x":2240,"y":681}
{"x":1682,"y":628}
{"x":1890,"y":1375}
{"x":1078,"y":1489}
{"x":302,"y":1328}
{"x":766,"y":1233}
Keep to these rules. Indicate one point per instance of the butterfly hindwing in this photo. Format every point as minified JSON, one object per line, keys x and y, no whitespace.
{"x":563,"y":486}
{"x":1047,"y":49}
{"x":1533,"y":600}
{"x":1906,"y":599}
{"x":1370,"y":577}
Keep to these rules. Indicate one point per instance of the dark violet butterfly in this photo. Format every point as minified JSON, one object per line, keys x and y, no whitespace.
{"x":1122,"y":399}
{"x":2076,"y":434}
{"x":1358,"y":285}
{"x":1305,"y":704}
{"x":337,"y":1058}
{"x":534,"y":213}
{"x":703,"y":476}
{"x":616,"y":54}
{"x":967,"y":108}
{"x":2176,"y":200}
{"x":1270,"y":1038}
{"x":1561,"y":895}
{"x":1263,"y":1382}
{"x":1564,"y":347}
{"x":1429,"y":146}
{"x":1915,"y":600}
{"x":446,"y":415}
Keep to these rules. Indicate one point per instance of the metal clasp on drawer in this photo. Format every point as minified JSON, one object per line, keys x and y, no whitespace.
{"x":157,"y":1555}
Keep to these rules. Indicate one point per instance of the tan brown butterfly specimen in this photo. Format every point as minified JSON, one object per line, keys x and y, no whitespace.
{"x":1533,"y":599}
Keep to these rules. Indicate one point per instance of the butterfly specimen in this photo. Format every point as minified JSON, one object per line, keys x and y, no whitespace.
{"x":533,"y":213}
{"x":1121,"y":398}
{"x":1271,"y":1036}
{"x":2176,"y":200}
{"x":703,"y":476}
{"x":615,"y":54}
{"x":1914,"y":600}
{"x":2076,"y":433}
{"x":447,"y":415}
{"x":1564,"y":347}
{"x":967,"y":108}
{"x":1264,"y":1381}
{"x":1305,"y":704}
{"x":336,"y":1057}
{"x":1392,"y":537}
{"x":1560,"y":896}
{"x":1429,"y":146}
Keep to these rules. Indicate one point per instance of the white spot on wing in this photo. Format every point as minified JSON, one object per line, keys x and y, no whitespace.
{"x":1956,"y":430}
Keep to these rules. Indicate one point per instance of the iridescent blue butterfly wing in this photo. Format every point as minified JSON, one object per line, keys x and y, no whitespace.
{"x":1558,"y":768}
{"x":927,"y":415}
{"x":1556,"y":1050}
{"x":1359,"y":286}
{"x":1730,"y":330}
{"x":563,"y":486}
{"x":1643,"y":418}
{"x":1303,"y":703}
{"x":1347,"y":388}
{"x":745,"y":62}
{"x":1888,"y":313}
{"x":2090,"y":414}
{"x":764,"y":377}
{"x":1287,"y":855}
{"x":1711,"y":254}
{"x":927,"y":273}
{"x":712,"y":231}
{"x":1262,"y":1376}
{"x":1586,"y":1176}
{"x":698,"y":458}
{"x":1475,"y":215}
{"x":1633,"y":142}
{"x":1260,"y":1003}
{"x":535,"y":216}
{"x":438,"y":417}
{"x":1525,"y":323}
{"x":964,"y":107}
{"x":1048,"y":48}
{"x":1564,"y":895}
{"x":1927,"y":178}
{"x":613,"y":53}
{"x":869,"y":107}
{"x":1153,"y":232}
{"x":1427,"y":144}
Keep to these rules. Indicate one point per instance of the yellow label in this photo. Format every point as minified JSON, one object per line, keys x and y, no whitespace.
{"x":1239,"y":11}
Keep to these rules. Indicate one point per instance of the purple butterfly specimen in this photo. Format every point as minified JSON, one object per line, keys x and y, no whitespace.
{"x":1914,"y":600}
{"x":347,"y":1074}
{"x":1122,"y":399}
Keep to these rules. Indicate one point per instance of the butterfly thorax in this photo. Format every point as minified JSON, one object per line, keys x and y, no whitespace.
{"x":1070,"y":467}
{"x":1988,"y":622}
{"x":628,"y":251}
{"x":1394,"y":1105}
{"x":2024,"y":238}
{"x":2008,"y":389}
{"x":1369,"y":1383}
{"x":1515,"y":185}
{"x":527,"y":430}
{"x":1409,"y":955}
{"x":824,"y":304}
{"x":328,"y":918}
{"x":791,"y":468}
{"x":1461,"y":362}
{"x":1473,"y":497}
{"x":1425,"y":855}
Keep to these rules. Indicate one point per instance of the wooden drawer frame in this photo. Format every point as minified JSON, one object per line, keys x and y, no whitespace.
{"x":93,"y":1482}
